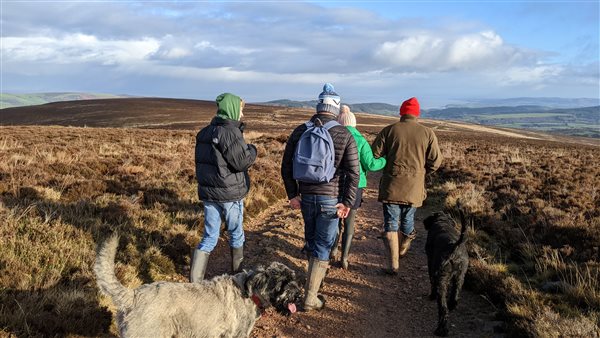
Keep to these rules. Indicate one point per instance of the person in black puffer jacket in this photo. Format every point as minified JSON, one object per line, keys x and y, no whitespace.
{"x":322,"y":204}
{"x":222,"y":162}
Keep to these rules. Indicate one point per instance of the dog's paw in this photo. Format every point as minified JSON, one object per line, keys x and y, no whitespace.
{"x":452,"y":304}
{"x":441,"y":331}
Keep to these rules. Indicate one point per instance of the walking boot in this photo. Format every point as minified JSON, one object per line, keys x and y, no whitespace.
{"x":313,"y":300}
{"x":333,"y":256}
{"x":390,"y":239}
{"x":237,"y":256}
{"x":199,"y":262}
{"x":405,"y":242}
{"x":347,"y":237}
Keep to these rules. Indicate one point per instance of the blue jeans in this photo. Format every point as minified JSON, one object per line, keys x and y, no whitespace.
{"x":233,"y":212}
{"x":320,"y":224}
{"x":399,"y":217}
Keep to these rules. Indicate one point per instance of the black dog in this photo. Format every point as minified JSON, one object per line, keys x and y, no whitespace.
{"x":447,"y":262}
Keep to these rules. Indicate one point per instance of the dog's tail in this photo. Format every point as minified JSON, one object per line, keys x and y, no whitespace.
{"x":105,"y":274}
{"x":463,"y":223}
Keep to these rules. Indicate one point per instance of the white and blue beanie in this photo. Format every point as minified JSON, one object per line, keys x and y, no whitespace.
{"x":329,"y":100}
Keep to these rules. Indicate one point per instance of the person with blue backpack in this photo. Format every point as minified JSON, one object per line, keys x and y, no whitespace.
{"x":317,"y":154}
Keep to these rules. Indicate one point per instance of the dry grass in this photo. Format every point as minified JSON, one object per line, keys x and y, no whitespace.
{"x":536,"y":216}
{"x":62,"y":190}
{"x":533,"y":208}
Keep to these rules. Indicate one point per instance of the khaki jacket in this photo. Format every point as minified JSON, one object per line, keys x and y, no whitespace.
{"x":412,"y":151}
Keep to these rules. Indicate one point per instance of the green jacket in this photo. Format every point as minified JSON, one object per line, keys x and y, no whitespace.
{"x":365,"y":156}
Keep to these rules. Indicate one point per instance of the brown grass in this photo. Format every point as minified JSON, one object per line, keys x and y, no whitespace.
{"x":534,"y":210}
{"x":62,"y":190}
{"x":536,"y":216}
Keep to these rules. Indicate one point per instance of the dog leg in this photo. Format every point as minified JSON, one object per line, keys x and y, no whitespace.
{"x":458,"y":279}
{"x":432,"y":280}
{"x":442,"y":300}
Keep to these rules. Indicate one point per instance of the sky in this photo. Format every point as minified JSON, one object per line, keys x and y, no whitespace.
{"x":441,"y":52}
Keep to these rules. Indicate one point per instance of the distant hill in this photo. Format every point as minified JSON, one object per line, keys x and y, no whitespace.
{"x":370,"y":108}
{"x":547,"y":102}
{"x":569,"y":121}
{"x":574,"y":120}
{"x":19,"y":100}
{"x":121,"y":112}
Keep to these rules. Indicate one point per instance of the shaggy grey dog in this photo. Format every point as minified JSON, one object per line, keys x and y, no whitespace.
{"x":226,"y":306}
{"x":447,"y":262}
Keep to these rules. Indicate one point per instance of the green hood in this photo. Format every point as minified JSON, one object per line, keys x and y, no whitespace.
{"x":229,"y":106}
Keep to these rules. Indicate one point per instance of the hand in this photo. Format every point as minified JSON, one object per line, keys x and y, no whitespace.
{"x":295,"y":202}
{"x":342,"y":210}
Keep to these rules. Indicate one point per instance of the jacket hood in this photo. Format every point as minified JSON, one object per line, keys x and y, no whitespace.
{"x":229,"y":106}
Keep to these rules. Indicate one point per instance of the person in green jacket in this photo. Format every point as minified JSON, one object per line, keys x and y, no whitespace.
{"x":367,"y":163}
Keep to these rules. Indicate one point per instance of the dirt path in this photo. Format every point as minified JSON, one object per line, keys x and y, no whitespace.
{"x":361,"y":302}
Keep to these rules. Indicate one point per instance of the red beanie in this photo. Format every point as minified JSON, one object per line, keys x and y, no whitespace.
{"x":410,"y":107}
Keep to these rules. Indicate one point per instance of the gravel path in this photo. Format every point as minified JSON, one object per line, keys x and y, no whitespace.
{"x":361,"y":302}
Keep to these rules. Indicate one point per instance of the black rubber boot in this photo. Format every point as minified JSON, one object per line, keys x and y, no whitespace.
{"x":347,"y":237}
{"x":199,"y":263}
{"x":237,"y":257}
{"x":334,"y":248}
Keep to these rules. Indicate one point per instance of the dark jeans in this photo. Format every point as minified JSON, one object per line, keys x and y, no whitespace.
{"x":320,"y":224}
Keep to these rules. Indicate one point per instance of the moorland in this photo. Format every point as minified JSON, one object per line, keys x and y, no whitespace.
{"x":73,"y":172}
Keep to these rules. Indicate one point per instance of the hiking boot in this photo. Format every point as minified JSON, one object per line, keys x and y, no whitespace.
{"x":390,"y":240}
{"x":199,"y":263}
{"x":406,"y":240}
{"x":316,"y":274}
{"x":237,"y":256}
{"x":347,"y":237}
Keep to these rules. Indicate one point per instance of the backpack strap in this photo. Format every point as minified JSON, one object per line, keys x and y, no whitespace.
{"x":331,"y":124}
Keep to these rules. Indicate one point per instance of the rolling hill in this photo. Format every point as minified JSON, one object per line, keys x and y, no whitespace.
{"x":569,"y":121}
{"x":183,"y":114}
{"x":543,"y":114}
{"x":19,"y":100}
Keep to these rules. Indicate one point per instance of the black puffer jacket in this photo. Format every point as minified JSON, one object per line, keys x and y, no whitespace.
{"x":222,"y":161}
{"x":346,"y":163}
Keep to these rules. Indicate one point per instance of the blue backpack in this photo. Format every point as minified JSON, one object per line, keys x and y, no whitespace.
{"x":314,"y":158}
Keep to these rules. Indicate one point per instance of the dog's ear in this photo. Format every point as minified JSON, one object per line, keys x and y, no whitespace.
{"x":255,"y":281}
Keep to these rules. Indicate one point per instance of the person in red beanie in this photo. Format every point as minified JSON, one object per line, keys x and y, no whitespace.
{"x":412,"y":151}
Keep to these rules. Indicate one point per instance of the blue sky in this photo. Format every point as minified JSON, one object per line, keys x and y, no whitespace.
{"x":379,"y":51}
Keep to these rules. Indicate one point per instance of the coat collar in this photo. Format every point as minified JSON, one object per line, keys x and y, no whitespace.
{"x":408,"y":118}
{"x":219,"y":121}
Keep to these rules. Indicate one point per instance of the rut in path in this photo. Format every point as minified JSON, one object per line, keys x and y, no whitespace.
{"x":361,"y":301}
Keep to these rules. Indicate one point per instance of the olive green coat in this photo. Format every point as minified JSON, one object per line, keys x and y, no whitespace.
{"x":411,"y":150}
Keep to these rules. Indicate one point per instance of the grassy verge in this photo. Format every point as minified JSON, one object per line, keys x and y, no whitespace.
{"x":63,"y":190}
{"x":535,"y":230}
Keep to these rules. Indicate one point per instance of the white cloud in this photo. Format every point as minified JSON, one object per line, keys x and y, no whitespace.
{"x":537,"y":75}
{"x":429,"y":52}
{"x":76,"y":48}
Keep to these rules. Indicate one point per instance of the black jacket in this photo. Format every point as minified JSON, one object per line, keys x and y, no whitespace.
{"x":346,"y":163}
{"x":222,"y":161}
